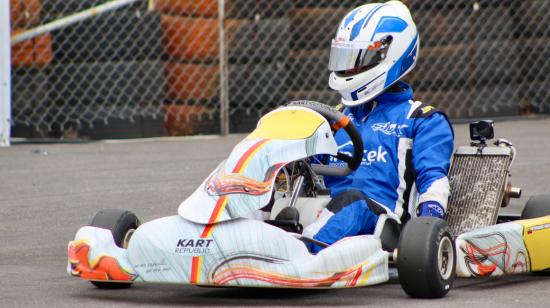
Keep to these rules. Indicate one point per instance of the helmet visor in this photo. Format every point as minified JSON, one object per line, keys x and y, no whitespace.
{"x":345,"y":55}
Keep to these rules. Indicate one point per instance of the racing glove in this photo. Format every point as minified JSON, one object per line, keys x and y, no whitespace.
{"x":430,"y":208}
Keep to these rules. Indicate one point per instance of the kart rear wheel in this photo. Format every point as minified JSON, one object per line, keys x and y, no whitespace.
{"x":122,"y":225}
{"x":426,"y":258}
{"x":537,"y":206}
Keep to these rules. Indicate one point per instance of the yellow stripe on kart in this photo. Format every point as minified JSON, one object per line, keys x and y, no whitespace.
{"x":536,"y":235}
{"x":366,"y":275}
{"x":276,"y":125}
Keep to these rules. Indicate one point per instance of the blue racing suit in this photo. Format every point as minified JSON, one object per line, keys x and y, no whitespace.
{"x":407,"y":151}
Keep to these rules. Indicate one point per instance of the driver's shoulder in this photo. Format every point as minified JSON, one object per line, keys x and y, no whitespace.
{"x":419,"y":110}
{"x":420,"y":114}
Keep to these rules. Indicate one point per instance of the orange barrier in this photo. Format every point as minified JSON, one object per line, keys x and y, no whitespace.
{"x":25,"y":13}
{"x":191,"y":38}
{"x":203,"y":8}
{"x":196,"y":38}
{"x":36,"y":51}
{"x":191,"y":81}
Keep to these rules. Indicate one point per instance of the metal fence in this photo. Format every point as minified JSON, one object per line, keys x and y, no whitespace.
{"x":162,"y":67}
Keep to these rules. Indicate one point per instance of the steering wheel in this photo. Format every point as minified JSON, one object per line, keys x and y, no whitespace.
{"x":337,"y":121}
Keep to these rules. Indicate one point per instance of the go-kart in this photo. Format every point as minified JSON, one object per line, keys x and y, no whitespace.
{"x":242,"y":226}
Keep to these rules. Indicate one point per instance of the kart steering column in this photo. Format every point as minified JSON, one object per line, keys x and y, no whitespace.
{"x":338,"y":121}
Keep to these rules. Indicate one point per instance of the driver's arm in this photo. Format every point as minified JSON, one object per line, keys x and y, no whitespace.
{"x":432,"y":150}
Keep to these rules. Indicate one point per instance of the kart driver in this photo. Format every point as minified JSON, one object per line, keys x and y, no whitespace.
{"x":407,"y":144}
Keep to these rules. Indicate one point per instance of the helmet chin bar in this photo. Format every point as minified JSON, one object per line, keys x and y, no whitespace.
{"x":360,"y":93}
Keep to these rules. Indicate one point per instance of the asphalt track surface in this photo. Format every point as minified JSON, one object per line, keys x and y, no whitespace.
{"x":48,"y":191}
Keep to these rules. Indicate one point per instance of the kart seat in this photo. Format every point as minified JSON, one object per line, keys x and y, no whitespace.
{"x":308,"y":208}
{"x":387,"y":229}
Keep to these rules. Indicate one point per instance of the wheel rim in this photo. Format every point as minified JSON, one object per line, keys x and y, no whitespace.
{"x":127,"y":238}
{"x":445,"y":258}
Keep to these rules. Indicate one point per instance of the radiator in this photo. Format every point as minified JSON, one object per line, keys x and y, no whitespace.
{"x":478,"y":178}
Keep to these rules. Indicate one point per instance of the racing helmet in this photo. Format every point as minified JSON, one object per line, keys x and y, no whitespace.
{"x":375,"y":46}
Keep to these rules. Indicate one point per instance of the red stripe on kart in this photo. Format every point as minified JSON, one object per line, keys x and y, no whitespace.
{"x":195,"y":267}
{"x":222,"y":202}
{"x":356,"y":277}
{"x":248,"y":154}
{"x":207,"y":231}
{"x":220,"y":206}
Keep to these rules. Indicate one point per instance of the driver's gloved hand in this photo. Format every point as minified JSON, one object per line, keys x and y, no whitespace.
{"x":430,"y":208}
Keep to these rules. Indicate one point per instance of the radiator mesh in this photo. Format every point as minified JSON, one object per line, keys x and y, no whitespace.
{"x":477,"y":189}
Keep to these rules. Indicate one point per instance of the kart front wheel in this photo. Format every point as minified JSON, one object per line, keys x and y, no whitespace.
{"x":426,"y":258}
{"x":122,"y":225}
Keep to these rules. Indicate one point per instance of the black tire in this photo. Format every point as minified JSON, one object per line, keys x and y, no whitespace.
{"x":426,"y":258}
{"x":119,"y":222}
{"x":537,"y":206}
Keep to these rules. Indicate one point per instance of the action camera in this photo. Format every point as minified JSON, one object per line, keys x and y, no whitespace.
{"x":482,"y":130}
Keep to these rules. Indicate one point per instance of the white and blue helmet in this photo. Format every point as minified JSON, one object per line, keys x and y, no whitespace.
{"x":375,"y":46}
